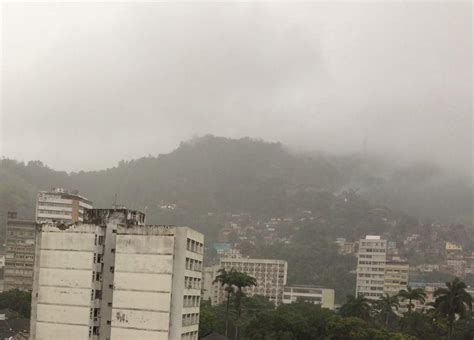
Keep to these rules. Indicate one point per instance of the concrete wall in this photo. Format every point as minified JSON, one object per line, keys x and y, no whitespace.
{"x":64,"y":282}
{"x":142,"y":283}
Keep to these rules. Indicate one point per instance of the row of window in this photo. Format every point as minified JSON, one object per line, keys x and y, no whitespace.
{"x":192,"y":264}
{"x":192,"y":282}
{"x":19,"y":256}
{"x":191,"y":301}
{"x":54,"y":212}
{"x":195,"y":246}
{"x":373,"y":250}
{"x":370,"y":288}
{"x":190,"y":336}
{"x":30,"y":248}
{"x":20,"y":232}
{"x":51,"y":204}
{"x":370,"y":269}
{"x":18,"y":264}
{"x":190,"y":319}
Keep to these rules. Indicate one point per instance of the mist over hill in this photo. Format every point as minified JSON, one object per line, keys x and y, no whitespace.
{"x":219,"y":175}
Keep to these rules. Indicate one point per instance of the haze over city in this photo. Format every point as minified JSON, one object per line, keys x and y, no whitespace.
{"x":86,"y":85}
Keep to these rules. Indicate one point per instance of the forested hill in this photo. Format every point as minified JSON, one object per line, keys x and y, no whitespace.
{"x":220,"y":175}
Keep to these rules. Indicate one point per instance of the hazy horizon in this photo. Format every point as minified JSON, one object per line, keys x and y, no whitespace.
{"x":87,"y":85}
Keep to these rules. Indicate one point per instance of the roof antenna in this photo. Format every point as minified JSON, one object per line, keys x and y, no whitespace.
{"x":115,"y":202}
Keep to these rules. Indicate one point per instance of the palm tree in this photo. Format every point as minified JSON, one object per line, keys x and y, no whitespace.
{"x":411,"y":295}
{"x":385,"y":306}
{"x":241,"y":280}
{"x":225,"y":278}
{"x":359,"y":307}
{"x":452,"y":302}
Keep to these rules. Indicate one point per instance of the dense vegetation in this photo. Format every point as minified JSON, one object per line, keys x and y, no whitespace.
{"x":213,"y":174}
{"x":17,"y":301}
{"x":358,"y":318}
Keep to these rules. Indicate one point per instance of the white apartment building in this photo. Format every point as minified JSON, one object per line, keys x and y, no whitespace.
{"x":310,"y":294}
{"x":371,"y":267}
{"x":113,"y":277}
{"x":271,"y":276}
{"x":61,"y":206}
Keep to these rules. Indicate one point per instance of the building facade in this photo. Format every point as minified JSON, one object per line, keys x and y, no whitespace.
{"x":371,"y":267}
{"x":271,"y":276}
{"x":61,"y":206}
{"x":20,"y":253}
{"x":396,"y":275}
{"x":311,"y":294}
{"x":113,"y":277}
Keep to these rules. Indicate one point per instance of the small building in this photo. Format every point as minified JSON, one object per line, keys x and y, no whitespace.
{"x":311,"y":294}
{"x":61,"y":206}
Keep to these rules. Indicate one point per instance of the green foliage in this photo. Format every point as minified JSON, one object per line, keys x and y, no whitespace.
{"x":410,"y":294}
{"x":17,"y":300}
{"x":356,"y":306}
{"x":385,"y":308}
{"x":453,"y":301}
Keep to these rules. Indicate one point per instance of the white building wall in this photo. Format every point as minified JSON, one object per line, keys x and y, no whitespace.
{"x":116,"y":278}
{"x":271,"y":276}
{"x":63,"y":287}
{"x":142,"y":255}
{"x":371,"y":267}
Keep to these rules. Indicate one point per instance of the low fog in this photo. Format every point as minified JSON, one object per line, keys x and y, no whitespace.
{"x":86,"y":85}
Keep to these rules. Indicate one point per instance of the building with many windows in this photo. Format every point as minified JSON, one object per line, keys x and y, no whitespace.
{"x":20,"y":253}
{"x":396,"y":275}
{"x":113,"y":277}
{"x":61,"y":206}
{"x":271,"y":276}
{"x":371,"y":267}
{"x":311,"y":294}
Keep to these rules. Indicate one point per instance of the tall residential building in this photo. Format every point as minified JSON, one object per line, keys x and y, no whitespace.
{"x":396,"y":275}
{"x":20,"y":253}
{"x":271,"y":276}
{"x":311,"y":294}
{"x":61,"y":206}
{"x":113,"y":277}
{"x":371,"y":267}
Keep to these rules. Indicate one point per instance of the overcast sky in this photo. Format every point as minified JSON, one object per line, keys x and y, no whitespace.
{"x":86,"y":85}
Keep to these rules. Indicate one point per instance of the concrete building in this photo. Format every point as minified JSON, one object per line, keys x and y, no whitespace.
{"x":61,"y":206}
{"x":396,"y":275}
{"x":20,"y":250}
{"x":210,"y":289}
{"x":113,"y":277}
{"x":312,"y":294}
{"x":271,"y":276}
{"x":371,"y":267}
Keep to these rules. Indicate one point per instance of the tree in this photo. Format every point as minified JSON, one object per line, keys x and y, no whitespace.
{"x":411,"y":295}
{"x":17,"y":300}
{"x":358,"y":307}
{"x":240,"y":281}
{"x":422,"y":325}
{"x":225,"y":278}
{"x":452,"y":302}
{"x":385,"y":306}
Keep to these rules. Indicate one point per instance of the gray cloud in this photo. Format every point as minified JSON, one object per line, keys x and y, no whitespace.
{"x":85,"y":85}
